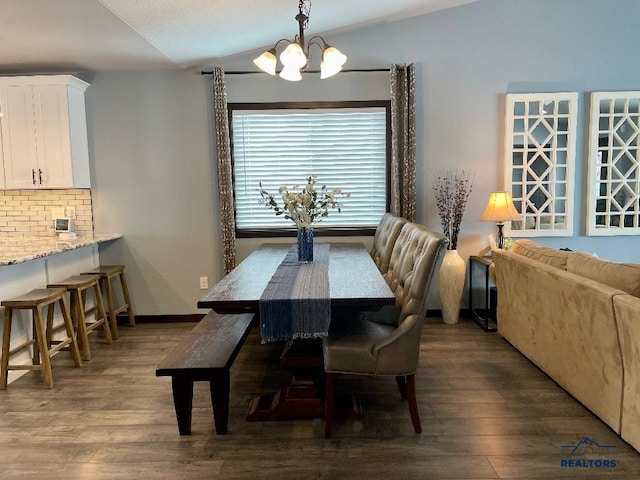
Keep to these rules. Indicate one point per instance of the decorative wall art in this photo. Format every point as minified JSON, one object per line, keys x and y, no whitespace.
{"x":614,"y":164}
{"x":540,"y":146}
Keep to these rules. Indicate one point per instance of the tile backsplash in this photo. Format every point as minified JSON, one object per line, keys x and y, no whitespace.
{"x":26,"y":213}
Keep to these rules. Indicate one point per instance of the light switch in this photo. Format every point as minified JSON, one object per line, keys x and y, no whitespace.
{"x":71,"y":212}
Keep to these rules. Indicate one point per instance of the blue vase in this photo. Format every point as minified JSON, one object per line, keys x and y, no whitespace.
{"x":305,"y":244}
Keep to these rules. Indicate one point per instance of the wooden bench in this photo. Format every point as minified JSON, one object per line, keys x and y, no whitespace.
{"x":206,"y":354}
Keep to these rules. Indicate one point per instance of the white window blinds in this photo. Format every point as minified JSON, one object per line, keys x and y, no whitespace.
{"x":345,"y":147}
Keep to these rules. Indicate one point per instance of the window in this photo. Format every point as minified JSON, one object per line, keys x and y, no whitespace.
{"x":344,"y":143}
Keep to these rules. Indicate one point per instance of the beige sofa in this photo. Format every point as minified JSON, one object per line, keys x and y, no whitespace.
{"x":577,"y":318}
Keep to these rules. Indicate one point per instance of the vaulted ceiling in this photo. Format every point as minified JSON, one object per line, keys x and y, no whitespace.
{"x":48,"y":35}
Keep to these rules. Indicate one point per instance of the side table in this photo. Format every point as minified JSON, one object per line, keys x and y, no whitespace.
{"x":486,"y":317}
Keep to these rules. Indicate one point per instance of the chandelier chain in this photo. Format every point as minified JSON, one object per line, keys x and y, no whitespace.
{"x":296,"y":57}
{"x":304,"y":7}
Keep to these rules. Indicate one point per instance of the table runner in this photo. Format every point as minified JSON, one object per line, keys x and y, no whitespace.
{"x":296,"y":302}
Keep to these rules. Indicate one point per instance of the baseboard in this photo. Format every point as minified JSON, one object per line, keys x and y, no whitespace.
{"x":194,"y":317}
{"x":464,"y":312}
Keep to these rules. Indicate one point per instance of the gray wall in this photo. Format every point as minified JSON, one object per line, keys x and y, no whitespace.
{"x":154,"y":154}
{"x":152,"y":181}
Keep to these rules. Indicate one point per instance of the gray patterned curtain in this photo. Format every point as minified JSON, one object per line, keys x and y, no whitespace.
{"x":403,"y":141}
{"x":225,"y":185}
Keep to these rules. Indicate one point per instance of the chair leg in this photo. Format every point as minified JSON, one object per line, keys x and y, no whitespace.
{"x":402,"y":386}
{"x":413,"y":404}
{"x":329,"y":404}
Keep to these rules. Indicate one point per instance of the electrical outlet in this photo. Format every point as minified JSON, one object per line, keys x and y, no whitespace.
{"x":71,"y":212}
{"x":204,"y":283}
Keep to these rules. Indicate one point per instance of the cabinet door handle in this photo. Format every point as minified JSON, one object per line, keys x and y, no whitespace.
{"x":33,"y":176}
{"x":40,"y":175}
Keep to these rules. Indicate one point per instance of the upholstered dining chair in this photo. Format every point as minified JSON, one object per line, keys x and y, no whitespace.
{"x":385,"y":238}
{"x":387,"y":342}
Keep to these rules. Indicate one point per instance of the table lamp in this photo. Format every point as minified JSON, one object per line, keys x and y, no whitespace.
{"x":500,"y":209}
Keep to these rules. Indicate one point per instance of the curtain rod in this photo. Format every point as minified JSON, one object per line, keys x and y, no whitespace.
{"x":251,"y":72}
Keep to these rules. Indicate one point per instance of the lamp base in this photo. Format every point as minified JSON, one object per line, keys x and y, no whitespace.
{"x":500,"y":236}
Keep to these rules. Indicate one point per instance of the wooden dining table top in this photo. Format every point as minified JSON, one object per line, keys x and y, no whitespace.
{"x":354,"y":280}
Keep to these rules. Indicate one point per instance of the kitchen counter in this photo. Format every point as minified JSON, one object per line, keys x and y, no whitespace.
{"x":22,"y":249}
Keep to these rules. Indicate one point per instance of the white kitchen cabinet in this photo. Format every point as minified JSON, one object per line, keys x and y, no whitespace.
{"x":44,"y":132}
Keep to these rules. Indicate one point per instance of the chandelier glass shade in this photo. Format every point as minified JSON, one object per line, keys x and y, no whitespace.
{"x":267,"y":62}
{"x":296,"y":57}
{"x":291,"y":73}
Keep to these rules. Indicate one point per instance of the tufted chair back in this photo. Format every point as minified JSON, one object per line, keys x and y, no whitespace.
{"x":388,"y":342}
{"x":412,"y":266}
{"x":385,"y":238}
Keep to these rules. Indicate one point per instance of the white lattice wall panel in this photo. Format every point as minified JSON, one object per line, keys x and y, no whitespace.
{"x":614,"y":164}
{"x":539,"y":165}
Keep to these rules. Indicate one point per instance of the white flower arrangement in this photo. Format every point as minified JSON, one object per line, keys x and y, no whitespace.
{"x":304,"y":205}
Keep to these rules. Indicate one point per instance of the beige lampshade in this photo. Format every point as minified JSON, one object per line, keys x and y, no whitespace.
{"x":267,"y":62}
{"x":500,"y":208}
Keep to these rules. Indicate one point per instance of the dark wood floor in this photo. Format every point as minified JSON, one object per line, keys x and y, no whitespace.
{"x":486,"y":413}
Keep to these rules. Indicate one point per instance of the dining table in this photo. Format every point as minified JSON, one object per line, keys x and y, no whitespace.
{"x":353,"y":282}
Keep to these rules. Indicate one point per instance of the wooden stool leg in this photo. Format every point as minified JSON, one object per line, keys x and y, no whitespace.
{"x":6,"y":341}
{"x":102,"y":313}
{"x":77,"y":313}
{"x":41,"y":340}
{"x":49,"y":331}
{"x":112,"y":310}
{"x":75,"y":352}
{"x":127,"y":299}
{"x":35,"y":359}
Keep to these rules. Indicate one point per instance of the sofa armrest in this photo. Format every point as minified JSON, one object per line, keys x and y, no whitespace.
{"x":627,"y":310}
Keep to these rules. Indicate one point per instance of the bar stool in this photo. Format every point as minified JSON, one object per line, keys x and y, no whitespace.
{"x":35,"y":301}
{"x":77,"y":286}
{"x":107,"y":272}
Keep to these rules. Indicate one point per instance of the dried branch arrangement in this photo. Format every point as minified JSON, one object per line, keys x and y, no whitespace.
{"x":452,"y":190}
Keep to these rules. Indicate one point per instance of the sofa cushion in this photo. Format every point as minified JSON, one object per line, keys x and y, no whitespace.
{"x":623,"y":276}
{"x":532,"y":250}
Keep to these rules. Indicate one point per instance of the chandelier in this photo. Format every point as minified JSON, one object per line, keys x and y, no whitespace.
{"x":296,"y":56}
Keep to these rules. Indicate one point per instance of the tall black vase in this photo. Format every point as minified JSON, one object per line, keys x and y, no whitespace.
{"x":305,"y":244}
